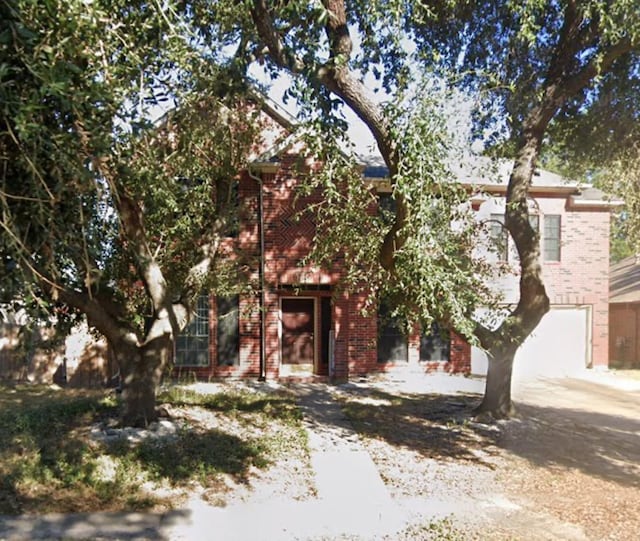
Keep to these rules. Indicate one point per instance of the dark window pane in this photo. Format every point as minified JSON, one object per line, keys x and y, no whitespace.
{"x":387,"y":207}
{"x":434,"y":344}
{"x":325,"y":322}
{"x":499,"y":236}
{"x":228,"y":333}
{"x":392,"y":342}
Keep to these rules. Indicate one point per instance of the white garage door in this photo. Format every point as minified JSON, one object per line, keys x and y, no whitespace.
{"x":558,"y":347}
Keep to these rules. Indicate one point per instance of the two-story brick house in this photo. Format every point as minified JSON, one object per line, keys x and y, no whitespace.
{"x":300,"y":324}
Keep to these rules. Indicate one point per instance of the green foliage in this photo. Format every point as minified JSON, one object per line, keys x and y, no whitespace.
{"x":437,"y":275}
{"x":621,"y":177}
{"x":40,"y":449}
{"x":280,"y":406}
{"x":510,"y":51}
{"x":78,"y":95}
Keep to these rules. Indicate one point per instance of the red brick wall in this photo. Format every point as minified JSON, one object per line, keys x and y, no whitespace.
{"x":288,"y":235}
{"x":581,"y":277}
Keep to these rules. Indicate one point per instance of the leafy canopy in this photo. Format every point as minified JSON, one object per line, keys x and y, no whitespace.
{"x":78,"y":143}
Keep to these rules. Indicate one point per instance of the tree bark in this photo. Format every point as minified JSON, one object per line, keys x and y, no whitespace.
{"x":559,"y":84}
{"x":502,"y":343}
{"x":141,"y":369}
{"x":497,"y":397}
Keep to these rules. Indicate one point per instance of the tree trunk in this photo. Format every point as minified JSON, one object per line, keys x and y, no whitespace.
{"x":139,"y":395}
{"x":141,"y":368}
{"x":497,"y":393}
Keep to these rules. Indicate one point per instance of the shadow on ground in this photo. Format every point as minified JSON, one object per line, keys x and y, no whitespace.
{"x":441,"y":426}
{"x":599,"y":445}
{"x":437,"y":426}
{"x":50,"y":462}
{"x":139,"y":526}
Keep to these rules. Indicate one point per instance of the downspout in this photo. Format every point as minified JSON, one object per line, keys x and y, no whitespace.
{"x":263,"y":368}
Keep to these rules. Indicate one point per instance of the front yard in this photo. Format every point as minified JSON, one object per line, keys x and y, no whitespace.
{"x":60,"y":450}
{"x":566,"y":469}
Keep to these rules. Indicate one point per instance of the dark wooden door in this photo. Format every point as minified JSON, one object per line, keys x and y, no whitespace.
{"x":298,"y":326}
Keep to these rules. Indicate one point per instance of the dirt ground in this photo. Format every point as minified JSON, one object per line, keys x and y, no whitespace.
{"x":567,"y":468}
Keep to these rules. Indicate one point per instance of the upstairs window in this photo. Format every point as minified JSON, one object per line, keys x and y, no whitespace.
{"x":551,"y":238}
{"x":499,"y":236}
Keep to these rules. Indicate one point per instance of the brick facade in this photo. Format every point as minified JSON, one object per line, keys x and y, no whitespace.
{"x":580,"y":279}
{"x":288,"y":234}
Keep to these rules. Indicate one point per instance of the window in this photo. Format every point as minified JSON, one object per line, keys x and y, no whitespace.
{"x":228,"y":330}
{"x":434,"y":344}
{"x":392,"y":341}
{"x":228,"y":206}
{"x":551,"y":238}
{"x":387,"y":207}
{"x":499,"y":236}
{"x":192,"y":346}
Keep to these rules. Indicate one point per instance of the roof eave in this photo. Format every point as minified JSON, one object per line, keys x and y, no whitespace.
{"x":575,"y":202}
{"x":501,"y":189}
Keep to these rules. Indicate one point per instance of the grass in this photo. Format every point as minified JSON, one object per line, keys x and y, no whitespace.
{"x":442,"y":529}
{"x":49,"y":461}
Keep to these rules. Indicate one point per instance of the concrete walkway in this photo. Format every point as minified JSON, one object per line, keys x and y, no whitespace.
{"x":352,"y":501}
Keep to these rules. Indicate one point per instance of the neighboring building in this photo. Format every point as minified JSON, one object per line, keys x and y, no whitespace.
{"x":624,"y":314}
{"x":33,"y":353}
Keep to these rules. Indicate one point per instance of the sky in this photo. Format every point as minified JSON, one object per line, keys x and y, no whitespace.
{"x":358,"y":131}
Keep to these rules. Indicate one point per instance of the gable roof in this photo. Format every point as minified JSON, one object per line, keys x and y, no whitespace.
{"x":624,"y":281}
{"x":480,"y":173}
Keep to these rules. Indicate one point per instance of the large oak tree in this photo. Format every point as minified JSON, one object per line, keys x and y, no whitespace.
{"x":101,"y":210}
{"x":538,"y":64}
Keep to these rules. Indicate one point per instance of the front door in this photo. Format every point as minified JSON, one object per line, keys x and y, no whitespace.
{"x":298,"y":334}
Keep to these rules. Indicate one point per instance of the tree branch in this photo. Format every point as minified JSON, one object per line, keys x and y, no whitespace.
{"x":272,"y":39}
{"x":131,"y":218}
{"x":561,"y":85}
{"x":336,"y":76}
{"x":96,"y":314}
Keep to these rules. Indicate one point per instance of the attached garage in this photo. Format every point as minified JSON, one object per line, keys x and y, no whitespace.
{"x":559,"y":347}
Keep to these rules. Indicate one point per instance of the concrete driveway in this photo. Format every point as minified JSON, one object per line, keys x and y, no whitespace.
{"x":603,"y":393}
{"x":573,"y":459}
